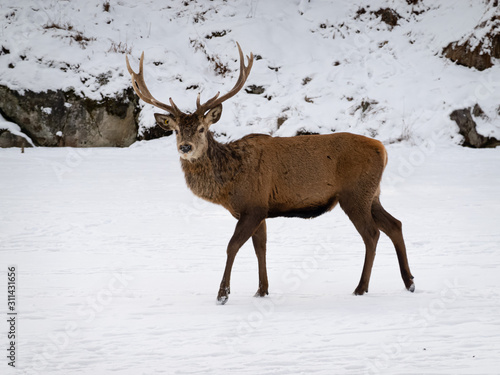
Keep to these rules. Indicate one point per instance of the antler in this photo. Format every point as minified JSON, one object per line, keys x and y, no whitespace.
{"x":215,"y":101}
{"x":142,"y":90}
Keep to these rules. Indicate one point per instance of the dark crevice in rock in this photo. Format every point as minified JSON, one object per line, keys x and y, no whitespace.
{"x":153,"y":133}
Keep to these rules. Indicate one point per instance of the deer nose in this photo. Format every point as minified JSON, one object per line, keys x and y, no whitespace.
{"x":185,"y":148}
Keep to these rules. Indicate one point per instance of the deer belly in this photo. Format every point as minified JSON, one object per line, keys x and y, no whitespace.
{"x":303,"y":208}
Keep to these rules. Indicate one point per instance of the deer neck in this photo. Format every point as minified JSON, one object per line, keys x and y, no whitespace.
{"x":209,"y":177}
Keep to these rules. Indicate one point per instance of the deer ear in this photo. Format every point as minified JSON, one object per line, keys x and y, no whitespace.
{"x":213,"y":115}
{"x":167,"y":122}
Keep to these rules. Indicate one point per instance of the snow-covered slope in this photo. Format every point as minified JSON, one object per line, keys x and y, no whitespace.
{"x":325,"y":65}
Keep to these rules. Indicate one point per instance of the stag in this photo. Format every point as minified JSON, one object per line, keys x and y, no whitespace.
{"x":260,"y":177}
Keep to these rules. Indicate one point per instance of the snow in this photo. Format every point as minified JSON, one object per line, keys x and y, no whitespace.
{"x":119,"y":264}
{"x":346,"y":59}
{"x":13,"y":128}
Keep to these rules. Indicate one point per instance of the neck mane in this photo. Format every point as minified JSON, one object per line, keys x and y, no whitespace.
{"x":208,"y":177}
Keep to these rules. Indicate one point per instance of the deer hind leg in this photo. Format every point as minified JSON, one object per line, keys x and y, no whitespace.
{"x":392,"y":228}
{"x":259,"y":240}
{"x":245,"y":228}
{"x":361,"y":217}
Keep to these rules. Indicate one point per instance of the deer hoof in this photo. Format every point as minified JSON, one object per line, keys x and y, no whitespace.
{"x":360,"y":291}
{"x":411,"y":288}
{"x":222,"y":300}
{"x":223,"y":296}
{"x":260,"y":293}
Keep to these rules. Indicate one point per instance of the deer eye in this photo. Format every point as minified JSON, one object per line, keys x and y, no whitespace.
{"x":201,"y":130}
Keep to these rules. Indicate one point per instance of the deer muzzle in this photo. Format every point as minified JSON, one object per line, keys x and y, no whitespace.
{"x":185,"y":148}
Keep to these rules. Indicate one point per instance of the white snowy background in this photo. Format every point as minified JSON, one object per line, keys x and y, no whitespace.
{"x":119,"y":264}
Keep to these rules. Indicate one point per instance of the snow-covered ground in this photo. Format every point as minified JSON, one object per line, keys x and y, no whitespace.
{"x":119,"y":266}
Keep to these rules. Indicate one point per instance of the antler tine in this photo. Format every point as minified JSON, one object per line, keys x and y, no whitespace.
{"x":142,"y":91}
{"x":176,"y":109}
{"x":216,"y":100}
{"x":199,"y":97}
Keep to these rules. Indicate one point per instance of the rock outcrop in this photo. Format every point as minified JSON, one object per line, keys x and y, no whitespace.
{"x":62,"y":118}
{"x":476,"y":49}
{"x":467,"y":128}
{"x":8,"y":139}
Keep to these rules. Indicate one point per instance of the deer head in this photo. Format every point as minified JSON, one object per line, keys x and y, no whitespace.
{"x":190,"y":128}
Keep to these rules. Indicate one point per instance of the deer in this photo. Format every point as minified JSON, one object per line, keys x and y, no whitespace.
{"x":259,"y":177}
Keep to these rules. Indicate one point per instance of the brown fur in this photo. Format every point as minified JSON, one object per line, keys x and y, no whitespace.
{"x":260,"y":177}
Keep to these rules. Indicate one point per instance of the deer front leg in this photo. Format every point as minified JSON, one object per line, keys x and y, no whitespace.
{"x":259,"y":240}
{"x":245,"y":228}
